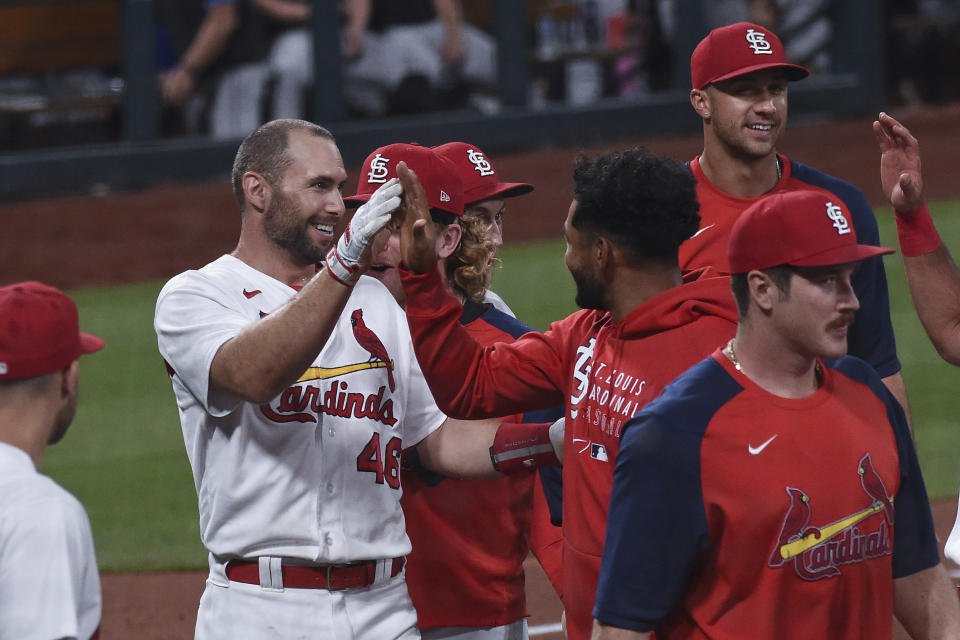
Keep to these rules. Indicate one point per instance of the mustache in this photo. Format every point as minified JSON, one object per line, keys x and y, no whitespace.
{"x":845,"y":320}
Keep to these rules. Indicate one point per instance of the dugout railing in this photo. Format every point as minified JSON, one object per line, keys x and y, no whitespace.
{"x":854,"y":87}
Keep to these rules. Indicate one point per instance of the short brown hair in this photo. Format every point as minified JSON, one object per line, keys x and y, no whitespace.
{"x":741,"y":290}
{"x":265,"y":151}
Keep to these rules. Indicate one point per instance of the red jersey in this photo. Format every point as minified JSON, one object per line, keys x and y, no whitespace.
{"x":775,"y":517}
{"x":871,"y":335}
{"x":470,"y":537}
{"x":603,"y":370}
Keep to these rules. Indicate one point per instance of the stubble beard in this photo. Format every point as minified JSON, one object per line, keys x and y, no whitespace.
{"x":285,"y":228}
{"x":590,"y":291}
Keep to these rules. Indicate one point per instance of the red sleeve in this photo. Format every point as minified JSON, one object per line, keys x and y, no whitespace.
{"x":546,"y":540}
{"x":470,"y":381}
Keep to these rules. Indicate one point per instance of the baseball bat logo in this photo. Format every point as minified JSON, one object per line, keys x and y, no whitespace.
{"x":818,"y":552}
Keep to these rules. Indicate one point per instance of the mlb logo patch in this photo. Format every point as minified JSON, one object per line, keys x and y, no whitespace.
{"x":598,"y":452}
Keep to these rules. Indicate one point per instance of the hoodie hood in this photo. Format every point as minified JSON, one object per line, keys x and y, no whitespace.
{"x":704,"y":292}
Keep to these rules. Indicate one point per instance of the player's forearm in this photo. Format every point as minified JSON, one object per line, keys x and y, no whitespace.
{"x":460,"y":449}
{"x":927,"y":605}
{"x":270,"y":355}
{"x":934,"y":282}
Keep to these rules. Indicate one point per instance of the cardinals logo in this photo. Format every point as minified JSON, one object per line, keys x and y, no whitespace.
{"x":302,"y":403}
{"x":369,"y":341}
{"x":817,"y":552}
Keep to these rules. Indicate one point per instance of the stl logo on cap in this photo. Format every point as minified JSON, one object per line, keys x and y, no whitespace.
{"x":378,"y":169}
{"x":835,"y":213}
{"x":480,"y":164}
{"x":758,"y":42}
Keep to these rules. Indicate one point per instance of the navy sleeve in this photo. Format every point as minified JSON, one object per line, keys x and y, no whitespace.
{"x":871,"y":336}
{"x":551,"y":478}
{"x":914,"y":536}
{"x":657,"y":527}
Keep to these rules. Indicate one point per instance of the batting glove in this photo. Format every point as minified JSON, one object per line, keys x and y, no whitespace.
{"x":343,"y":260}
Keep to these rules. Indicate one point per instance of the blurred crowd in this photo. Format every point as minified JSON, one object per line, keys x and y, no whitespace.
{"x":226,"y":66}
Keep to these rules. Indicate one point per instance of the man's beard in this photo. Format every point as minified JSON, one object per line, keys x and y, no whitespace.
{"x":286,"y":229}
{"x":590,"y":290}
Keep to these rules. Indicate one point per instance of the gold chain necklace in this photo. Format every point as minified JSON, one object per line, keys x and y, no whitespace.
{"x":732,"y":357}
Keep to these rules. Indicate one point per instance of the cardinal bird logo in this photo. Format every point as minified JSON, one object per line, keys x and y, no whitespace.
{"x":369,"y":341}
{"x":872,"y":483}
{"x":794,"y":523}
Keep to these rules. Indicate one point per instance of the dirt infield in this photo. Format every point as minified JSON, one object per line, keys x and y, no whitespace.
{"x":157,"y":232}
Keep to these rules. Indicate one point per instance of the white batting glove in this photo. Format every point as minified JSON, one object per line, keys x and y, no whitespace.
{"x":343,"y":260}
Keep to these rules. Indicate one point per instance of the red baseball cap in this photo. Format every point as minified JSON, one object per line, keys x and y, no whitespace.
{"x":737,"y":49}
{"x":439,"y":177}
{"x":799,"y":228}
{"x":39,"y":331}
{"x":480,"y":180}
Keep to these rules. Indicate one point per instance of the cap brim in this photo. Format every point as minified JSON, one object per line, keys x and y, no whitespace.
{"x":90,"y":343}
{"x":499,"y":190}
{"x":357,"y":200}
{"x":794,"y":71}
{"x":841,"y":255}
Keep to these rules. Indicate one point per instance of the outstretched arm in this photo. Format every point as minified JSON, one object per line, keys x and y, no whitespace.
{"x":926,"y":604}
{"x":294,"y":335}
{"x":469,"y":380}
{"x":932,"y":275}
{"x":488,"y":448}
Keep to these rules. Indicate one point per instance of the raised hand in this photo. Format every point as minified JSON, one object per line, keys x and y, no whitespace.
{"x":343,"y":260}
{"x":418,"y":234}
{"x":900,"y":175}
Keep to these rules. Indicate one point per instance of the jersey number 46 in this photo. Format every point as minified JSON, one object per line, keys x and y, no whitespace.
{"x":386,"y":466}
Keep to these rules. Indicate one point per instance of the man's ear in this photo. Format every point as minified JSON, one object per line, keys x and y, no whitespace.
{"x":448,"y":240}
{"x":256,"y":190}
{"x":604,"y":253}
{"x":700,"y":101}
{"x":68,"y":379}
{"x":763,"y":291}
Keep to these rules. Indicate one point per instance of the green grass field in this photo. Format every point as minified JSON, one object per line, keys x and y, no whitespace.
{"x":124,"y":456}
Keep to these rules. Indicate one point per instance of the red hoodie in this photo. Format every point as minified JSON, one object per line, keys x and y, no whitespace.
{"x":603,"y":371}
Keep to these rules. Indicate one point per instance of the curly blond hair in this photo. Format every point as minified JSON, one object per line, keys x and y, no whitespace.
{"x":466,"y":268}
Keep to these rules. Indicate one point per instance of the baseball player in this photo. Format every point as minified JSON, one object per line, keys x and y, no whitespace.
{"x":470,"y":538}
{"x":641,"y":326}
{"x":740,"y":78}
{"x":932,"y":275}
{"x":298,"y":391}
{"x":484,"y":196}
{"x":49,"y":584}
{"x":790,"y":501}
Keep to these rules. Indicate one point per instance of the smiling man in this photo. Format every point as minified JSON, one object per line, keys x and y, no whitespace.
{"x":298,"y":389}
{"x":790,"y":501}
{"x":740,"y":79}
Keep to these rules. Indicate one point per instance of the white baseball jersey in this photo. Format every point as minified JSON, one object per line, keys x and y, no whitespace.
{"x":315,"y":473}
{"x":49,"y":585}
